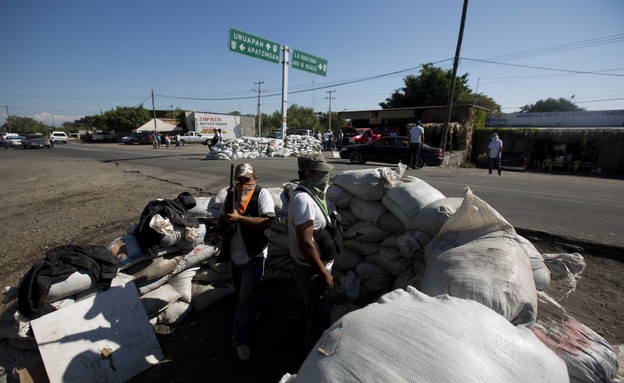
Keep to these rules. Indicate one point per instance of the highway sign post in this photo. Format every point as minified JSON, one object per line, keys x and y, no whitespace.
{"x":254,"y":46}
{"x":309,"y":63}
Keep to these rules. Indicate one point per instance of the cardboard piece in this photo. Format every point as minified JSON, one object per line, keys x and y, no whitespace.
{"x":106,"y":337}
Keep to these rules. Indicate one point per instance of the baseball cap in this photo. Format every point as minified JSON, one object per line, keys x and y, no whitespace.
{"x":313,"y":161}
{"x":244,"y":170}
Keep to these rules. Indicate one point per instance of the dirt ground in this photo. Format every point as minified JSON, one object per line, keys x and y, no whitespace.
{"x":94,"y":203}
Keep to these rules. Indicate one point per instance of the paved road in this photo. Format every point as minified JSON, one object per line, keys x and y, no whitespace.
{"x":578,"y":206}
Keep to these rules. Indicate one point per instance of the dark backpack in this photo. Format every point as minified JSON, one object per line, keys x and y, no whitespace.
{"x":329,"y":239}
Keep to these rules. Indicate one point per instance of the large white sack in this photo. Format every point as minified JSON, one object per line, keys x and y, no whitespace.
{"x":408,"y":197}
{"x":158,"y":300}
{"x":589,"y":356}
{"x":477,"y":255}
{"x":569,"y":266}
{"x":346,"y":217}
{"x":339,"y":196}
{"x":541,"y":274}
{"x":374,"y":277}
{"x":391,"y":260}
{"x":367,"y":210}
{"x":201,"y":208}
{"x":390,"y":222}
{"x":409,"y":337}
{"x":431,"y":217}
{"x":175,"y":313}
{"x":152,"y":269}
{"x":206,"y":295}
{"x":182,"y":283}
{"x":366,"y":231}
{"x":368,"y":184}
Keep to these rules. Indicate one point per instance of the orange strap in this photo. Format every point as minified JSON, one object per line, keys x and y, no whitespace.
{"x":243,"y":204}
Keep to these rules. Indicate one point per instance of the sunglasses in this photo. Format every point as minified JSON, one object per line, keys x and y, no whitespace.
{"x":243,"y":180}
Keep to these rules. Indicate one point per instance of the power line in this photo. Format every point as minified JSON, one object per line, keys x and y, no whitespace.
{"x":545,"y":68}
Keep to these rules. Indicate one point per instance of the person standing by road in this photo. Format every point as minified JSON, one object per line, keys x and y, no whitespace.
{"x":496,"y":149}
{"x":178,"y":141}
{"x":416,"y":137}
{"x":217,"y":138}
{"x":307,"y":211}
{"x":247,"y":248}
{"x":327,"y":138}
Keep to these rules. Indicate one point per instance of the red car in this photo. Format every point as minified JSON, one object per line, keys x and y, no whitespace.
{"x":359,"y":135}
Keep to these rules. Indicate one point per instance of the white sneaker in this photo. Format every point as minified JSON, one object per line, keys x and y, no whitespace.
{"x":243,"y":352}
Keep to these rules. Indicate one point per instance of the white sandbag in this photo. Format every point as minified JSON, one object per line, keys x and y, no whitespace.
{"x":409,"y":337}
{"x":76,"y":282}
{"x":362,"y":248}
{"x":369,"y":211}
{"x":340,"y":197}
{"x":408,"y":197}
{"x":568,"y":266}
{"x":431,"y":217}
{"x":391,"y":241}
{"x":206,"y":295}
{"x":412,"y":243}
{"x":541,"y":274}
{"x":366,"y":231}
{"x":589,"y":356}
{"x":349,"y":285}
{"x":201,"y":208}
{"x":366,"y":184}
{"x":182,"y":283}
{"x":192,"y":237}
{"x":157,"y":300}
{"x":477,"y":255}
{"x":161,"y":224}
{"x":207,"y":275}
{"x":217,"y":201}
{"x":152,"y":269}
{"x":391,"y":260}
{"x":347,"y":259}
{"x":346,"y":217}
{"x":373,"y":276}
{"x":390,"y":222}
{"x":175,"y":313}
{"x":403,"y":280}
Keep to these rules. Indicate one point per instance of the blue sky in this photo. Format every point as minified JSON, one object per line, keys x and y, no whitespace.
{"x":65,"y":59}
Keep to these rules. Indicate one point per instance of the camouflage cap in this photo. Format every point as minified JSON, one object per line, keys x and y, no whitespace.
{"x":313,"y":161}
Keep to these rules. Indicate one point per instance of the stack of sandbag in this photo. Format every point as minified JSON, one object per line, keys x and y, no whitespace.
{"x":383,"y":247}
{"x":408,"y":336}
{"x":254,"y":147}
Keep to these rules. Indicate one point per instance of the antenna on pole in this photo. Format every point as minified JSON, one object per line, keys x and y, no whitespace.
{"x":330,"y":98}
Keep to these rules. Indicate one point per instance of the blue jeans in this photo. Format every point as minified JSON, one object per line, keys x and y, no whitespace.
{"x":247,"y":280}
{"x":317,"y":303}
{"x":491,"y":162}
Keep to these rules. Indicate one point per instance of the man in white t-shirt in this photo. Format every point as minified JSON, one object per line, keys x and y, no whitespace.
{"x":307,"y":211}
{"x":247,"y":249}
{"x":416,"y":137}
{"x":496,"y":149}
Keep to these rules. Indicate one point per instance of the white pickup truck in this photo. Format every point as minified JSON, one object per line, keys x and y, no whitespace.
{"x":193,"y":137}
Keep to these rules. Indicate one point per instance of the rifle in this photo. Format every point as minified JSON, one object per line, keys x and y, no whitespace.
{"x":227,"y":229}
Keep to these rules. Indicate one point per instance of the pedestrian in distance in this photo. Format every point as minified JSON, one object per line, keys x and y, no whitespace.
{"x":158,"y":140}
{"x":416,"y":137}
{"x":178,"y":141}
{"x":307,"y":212}
{"x":167,"y":141}
{"x":246,"y":247}
{"x":496,"y":150}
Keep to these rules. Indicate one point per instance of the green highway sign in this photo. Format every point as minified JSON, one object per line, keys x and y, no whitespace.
{"x":307,"y":62}
{"x":254,"y":46}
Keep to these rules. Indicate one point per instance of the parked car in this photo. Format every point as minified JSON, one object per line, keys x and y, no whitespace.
{"x":390,"y":150}
{"x":58,"y":137}
{"x":359,"y":135}
{"x":275,"y":134}
{"x":137,"y":138}
{"x":514,"y":160}
{"x":36,"y":140}
{"x":14,"y":140}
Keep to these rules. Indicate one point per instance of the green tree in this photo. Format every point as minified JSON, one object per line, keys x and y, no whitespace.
{"x":479,"y":100}
{"x":125,"y":119}
{"x":271,"y":122}
{"x":336,"y":122}
{"x":300,"y":117}
{"x":430,"y":88}
{"x":91,"y":122}
{"x":550,"y":105}
{"x":23,"y":125}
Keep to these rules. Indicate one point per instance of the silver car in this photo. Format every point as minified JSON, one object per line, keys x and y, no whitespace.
{"x":36,"y":140}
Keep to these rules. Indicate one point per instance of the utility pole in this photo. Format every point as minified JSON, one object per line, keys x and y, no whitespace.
{"x":154,"y":114}
{"x":7,"y":120}
{"x":259,"y":83}
{"x":330,"y":114}
{"x":53,"y":121}
{"x":449,"y":104}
